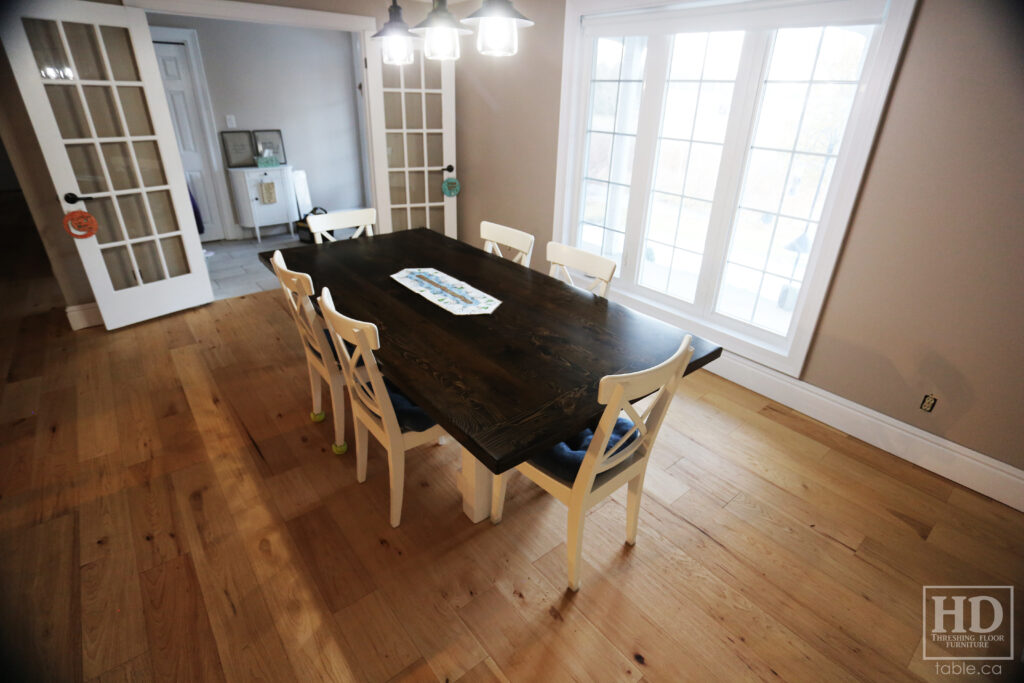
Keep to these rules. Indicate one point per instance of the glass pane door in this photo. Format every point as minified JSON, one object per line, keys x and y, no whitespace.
{"x":95,"y":93}
{"x":89,"y":88}
{"x":420,"y":144}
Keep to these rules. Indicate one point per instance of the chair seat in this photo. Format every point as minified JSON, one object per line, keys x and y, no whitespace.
{"x":411,"y":417}
{"x":563,"y":461}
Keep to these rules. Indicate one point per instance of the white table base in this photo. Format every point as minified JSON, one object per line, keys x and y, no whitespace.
{"x":475,"y":484}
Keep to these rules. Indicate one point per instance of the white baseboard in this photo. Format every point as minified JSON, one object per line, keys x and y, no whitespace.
{"x":974,"y":470}
{"x":84,"y":315}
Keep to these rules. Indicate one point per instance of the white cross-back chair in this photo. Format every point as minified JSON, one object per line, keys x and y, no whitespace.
{"x":374,"y":401}
{"x":617,"y":454}
{"x":322,"y":225}
{"x":320,"y":358}
{"x":496,"y":236}
{"x":563,"y":257}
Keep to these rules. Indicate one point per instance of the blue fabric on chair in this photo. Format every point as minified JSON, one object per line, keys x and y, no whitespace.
{"x":563,"y":461}
{"x":411,"y":417}
{"x":351,"y":348}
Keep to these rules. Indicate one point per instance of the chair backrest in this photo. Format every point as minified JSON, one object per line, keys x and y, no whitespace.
{"x":563,"y":257}
{"x":321,"y":225}
{"x":363,"y":377}
{"x":516,"y":240}
{"x":619,"y":393}
{"x":298,"y":287}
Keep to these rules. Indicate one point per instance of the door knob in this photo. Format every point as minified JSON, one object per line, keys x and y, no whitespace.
{"x":72,"y":198}
{"x":449,"y":168}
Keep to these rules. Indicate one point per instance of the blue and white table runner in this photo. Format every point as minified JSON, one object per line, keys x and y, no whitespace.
{"x":454,"y":296}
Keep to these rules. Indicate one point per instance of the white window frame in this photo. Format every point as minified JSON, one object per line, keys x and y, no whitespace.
{"x":586,"y":19}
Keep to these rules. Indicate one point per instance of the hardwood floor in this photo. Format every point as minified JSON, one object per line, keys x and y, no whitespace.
{"x":169,"y":512}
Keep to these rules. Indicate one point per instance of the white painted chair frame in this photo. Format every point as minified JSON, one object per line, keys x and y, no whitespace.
{"x":321,"y":225}
{"x":605,"y":468}
{"x":496,"y":236}
{"x":372,"y":410}
{"x":563,"y":257}
{"x":320,"y":360}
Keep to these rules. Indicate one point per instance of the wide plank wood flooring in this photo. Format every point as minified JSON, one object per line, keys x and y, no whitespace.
{"x":169,"y":512}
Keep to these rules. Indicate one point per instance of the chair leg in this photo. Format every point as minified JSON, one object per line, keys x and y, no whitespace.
{"x":316,"y":388}
{"x":396,"y":475}
{"x":498,"y":485}
{"x":636,"y":489}
{"x":574,"y":545}
{"x":337,"y":387}
{"x":361,"y":444}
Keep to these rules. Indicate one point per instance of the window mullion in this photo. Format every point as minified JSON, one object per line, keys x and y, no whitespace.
{"x":740,"y":128}
{"x":645,"y":151}
{"x":571,"y":233}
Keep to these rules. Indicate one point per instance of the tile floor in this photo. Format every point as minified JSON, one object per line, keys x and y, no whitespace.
{"x":235,"y":268}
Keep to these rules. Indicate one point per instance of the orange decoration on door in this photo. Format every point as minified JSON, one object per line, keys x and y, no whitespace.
{"x":80,"y":224}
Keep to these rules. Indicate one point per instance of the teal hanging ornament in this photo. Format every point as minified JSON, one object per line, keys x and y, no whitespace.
{"x":450,"y":187}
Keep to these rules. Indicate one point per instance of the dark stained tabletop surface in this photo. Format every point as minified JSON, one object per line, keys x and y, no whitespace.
{"x":507,"y":385}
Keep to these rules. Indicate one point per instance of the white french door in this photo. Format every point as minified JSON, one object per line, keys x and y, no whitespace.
{"x":88,"y":75}
{"x":419,"y":125}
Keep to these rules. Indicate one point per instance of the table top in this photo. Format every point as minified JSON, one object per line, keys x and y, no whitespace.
{"x":507,"y":385}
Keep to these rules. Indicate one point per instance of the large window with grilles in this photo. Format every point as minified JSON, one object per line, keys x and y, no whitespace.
{"x":716,"y":155}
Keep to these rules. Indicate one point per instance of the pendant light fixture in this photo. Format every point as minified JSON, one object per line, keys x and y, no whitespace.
{"x":497,"y":23}
{"x":396,"y":38}
{"x":441,"y":32}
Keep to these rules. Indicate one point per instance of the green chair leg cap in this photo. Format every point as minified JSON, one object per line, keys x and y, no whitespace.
{"x":317,"y":417}
{"x":339,"y":448}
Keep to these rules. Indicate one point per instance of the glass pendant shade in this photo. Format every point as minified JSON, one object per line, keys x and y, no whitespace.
{"x":440,"y":32}
{"x":497,"y":37}
{"x":497,"y":23}
{"x":441,"y":44}
{"x":396,"y":48}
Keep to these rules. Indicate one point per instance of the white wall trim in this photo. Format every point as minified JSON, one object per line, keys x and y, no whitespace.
{"x":261,"y":13}
{"x":84,"y":315}
{"x":976,"y":471}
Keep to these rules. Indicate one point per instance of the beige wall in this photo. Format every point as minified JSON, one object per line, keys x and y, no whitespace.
{"x":26,"y":158}
{"x":507,"y":130}
{"x":927,"y":295}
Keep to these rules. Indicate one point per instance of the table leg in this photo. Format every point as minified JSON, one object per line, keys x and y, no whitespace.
{"x":475,"y":483}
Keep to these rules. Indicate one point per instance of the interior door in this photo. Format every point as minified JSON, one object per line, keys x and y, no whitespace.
{"x":89,"y":79}
{"x":179,"y":86}
{"x":419,"y":120}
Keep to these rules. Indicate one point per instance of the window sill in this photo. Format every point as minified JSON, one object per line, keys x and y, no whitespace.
{"x":781,"y":357}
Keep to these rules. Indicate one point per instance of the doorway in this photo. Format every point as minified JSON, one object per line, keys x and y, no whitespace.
{"x":181,"y":69}
{"x":298,"y":86}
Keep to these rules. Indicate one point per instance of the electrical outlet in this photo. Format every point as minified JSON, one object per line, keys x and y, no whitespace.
{"x":928,"y":403}
{"x":230,"y":120}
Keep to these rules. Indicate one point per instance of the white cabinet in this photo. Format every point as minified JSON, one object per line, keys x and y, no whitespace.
{"x":258,"y":205}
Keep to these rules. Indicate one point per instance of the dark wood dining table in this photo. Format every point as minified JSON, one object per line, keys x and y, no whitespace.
{"x":506,"y":385}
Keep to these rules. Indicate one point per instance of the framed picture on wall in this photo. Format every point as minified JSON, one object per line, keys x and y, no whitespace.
{"x":239,"y":149}
{"x":270,"y":140}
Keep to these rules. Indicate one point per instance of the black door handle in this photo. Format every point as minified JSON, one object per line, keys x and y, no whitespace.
{"x":449,"y":168}
{"x":72,"y":198}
